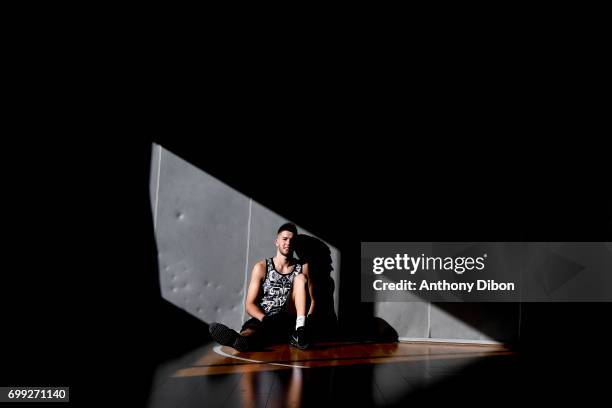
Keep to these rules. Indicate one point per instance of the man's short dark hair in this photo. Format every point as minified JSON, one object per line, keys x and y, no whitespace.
{"x":288,"y":226}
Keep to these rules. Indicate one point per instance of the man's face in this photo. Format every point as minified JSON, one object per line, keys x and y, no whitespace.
{"x":285,"y":243}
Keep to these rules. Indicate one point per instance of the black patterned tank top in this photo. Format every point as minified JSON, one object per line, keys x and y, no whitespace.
{"x":277,"y":288}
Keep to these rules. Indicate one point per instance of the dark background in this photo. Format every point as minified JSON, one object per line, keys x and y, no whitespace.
{"x":473,"y":138}
{"x":80,"y":306}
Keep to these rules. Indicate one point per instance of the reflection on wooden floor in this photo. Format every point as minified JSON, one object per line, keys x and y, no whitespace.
{"x":368,"y":374}
{"x":279,"y":357}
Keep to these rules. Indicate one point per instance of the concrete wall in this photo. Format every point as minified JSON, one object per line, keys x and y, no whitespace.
{"x":471,"y":322}
{"x":209,"y":236}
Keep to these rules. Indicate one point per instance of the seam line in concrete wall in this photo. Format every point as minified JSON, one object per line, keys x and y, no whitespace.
{"x":429,"y":319}
{"x":246,"y":261}
{"x":520,"y":316}
{"x":337,"y":284}
{"x":157,"y":188}
{"x":519,"y":319}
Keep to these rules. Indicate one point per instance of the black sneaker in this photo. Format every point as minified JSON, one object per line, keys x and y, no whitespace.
{"x":299,"y":339}
{"x":242,"y":343}
{"x":228,"y":337}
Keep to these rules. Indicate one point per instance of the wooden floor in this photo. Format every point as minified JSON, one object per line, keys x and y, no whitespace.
{"x":329,"y":373}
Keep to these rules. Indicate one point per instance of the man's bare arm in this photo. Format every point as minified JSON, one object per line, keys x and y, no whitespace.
{"x":257,"y":277}
{"x":306,"y":272}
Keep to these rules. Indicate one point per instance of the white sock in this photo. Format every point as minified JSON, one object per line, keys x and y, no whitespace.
{"x":300,"y":321}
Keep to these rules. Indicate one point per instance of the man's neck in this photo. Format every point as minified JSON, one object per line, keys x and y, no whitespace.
{"x":281,"y":260}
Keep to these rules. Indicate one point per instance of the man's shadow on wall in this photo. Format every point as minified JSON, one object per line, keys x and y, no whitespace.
{"x":325,"y":322}
{"x":317,"y":254}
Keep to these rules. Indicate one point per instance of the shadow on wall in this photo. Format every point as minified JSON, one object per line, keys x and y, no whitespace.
{"x":370,"y":328}
{"x":317,"y":254}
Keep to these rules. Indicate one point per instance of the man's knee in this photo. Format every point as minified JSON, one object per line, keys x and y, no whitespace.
{"x":247,"y":332}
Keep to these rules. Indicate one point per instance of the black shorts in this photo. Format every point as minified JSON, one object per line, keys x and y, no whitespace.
{"x":276,"y":329}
